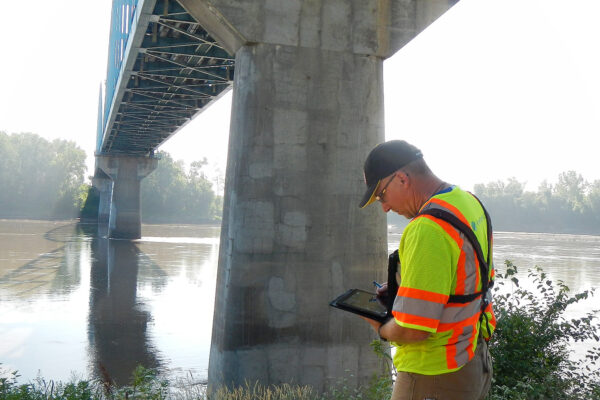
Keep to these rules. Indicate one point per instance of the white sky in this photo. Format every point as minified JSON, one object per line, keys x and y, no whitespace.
{"x":493,"y":89}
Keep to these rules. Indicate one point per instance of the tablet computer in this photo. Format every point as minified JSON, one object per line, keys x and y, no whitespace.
{"x":363,"y":303}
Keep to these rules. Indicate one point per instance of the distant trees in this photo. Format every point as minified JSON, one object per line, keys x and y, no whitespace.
{"x":40,"y":178}
{"x":169,"y":194}
{"x":572,"y":205}
{"x":45,"y":179}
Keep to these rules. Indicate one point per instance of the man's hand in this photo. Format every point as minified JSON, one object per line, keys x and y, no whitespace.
{"x":382,"y":291}
{"x":374,"y":324}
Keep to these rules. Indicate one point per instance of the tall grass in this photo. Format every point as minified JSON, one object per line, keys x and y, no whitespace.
{"x":146,"y":384}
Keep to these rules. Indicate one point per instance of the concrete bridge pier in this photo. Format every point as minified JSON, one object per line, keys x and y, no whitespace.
{"x":293,"y":236}
{"x":126,"y":174}
{"x":307,"y":109}
{"x":104,"y":184}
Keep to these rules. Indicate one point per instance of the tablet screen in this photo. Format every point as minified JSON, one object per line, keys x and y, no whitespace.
{"x":362,"y":301}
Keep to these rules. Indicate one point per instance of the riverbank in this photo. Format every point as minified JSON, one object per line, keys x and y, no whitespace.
{"x":147,"y":384}
{"x":91,"y":303}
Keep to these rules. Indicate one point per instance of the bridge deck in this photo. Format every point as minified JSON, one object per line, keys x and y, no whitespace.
{"x":169,"y":71}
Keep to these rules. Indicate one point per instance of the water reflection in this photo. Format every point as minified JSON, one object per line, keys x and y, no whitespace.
{"x":72,"y":301}
{"x":40,"y":268}
{"x":573,"y":259}
{"x":25,"y":270}
{"x":118,"y":322}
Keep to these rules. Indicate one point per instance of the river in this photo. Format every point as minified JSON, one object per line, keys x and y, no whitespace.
{"x":74,"y":304}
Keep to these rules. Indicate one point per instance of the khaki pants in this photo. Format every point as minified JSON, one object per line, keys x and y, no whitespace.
{"x":471,"y":382}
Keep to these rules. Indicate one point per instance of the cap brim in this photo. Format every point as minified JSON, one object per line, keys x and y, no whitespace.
{"x":369,"y":196}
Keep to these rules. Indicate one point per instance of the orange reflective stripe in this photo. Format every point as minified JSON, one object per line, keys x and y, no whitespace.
{"x":449,"y":229}
{"x":423,"y":295}
{"x":457,"y":331}
{"x":460,"y":305}
{"x":461,"y":274}
{"x":415,"y":320}
{"x":471,"y":340}
{"x":452,"y":209}
{"x":462,"y":218}
{"x":451,"y":350}
{"x":443,"y":327}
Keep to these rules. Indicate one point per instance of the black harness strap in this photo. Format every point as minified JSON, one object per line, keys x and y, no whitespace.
{"x":484,"y":264}
{"x":393,"y":261}
{"x":470,"y":235}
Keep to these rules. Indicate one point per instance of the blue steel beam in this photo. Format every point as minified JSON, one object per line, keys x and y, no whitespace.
{"x":164,"y":69}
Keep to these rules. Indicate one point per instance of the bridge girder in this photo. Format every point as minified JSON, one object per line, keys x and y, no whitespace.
{"x":178,"y":71}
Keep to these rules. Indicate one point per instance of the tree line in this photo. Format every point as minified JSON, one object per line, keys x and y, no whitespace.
{"x":572,"y":205}
{"x":170,"y":194}
{"x":40,"y":178}
{"x":46,"y":179}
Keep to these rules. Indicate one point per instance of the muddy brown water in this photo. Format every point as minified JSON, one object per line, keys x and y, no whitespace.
{"x":74,"y":304}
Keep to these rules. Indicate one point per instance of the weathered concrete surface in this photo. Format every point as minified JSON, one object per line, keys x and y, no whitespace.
{"x":368,"y":27}
{"x":103,"y":183}
{"x":293,"y":236}
{"x":126,"y":173}
{"x":307,"y":109}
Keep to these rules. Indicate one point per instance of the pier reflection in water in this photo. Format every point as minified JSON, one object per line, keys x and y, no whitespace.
{"x":74,"y":302}
{"x":118,"y":323}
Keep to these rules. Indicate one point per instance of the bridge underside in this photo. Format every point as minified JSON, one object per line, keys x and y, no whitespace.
{"x":307,"y":109}
{"x":174,"y":72}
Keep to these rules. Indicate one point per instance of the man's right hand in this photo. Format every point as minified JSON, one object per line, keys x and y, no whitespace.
{"x":382,"y":291}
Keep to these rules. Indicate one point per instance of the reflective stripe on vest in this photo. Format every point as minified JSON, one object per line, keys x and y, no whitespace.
{"x":423,"y":308}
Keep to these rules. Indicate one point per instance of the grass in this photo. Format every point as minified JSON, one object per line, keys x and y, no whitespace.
{"x":146,"y":384}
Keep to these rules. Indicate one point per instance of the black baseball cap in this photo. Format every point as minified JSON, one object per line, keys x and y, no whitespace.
{"x":385,"y":159}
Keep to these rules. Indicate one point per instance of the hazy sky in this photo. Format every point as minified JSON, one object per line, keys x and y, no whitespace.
{"x":493,"y":89}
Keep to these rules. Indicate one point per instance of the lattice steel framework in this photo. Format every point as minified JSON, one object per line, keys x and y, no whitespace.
{"x":173,"y":73}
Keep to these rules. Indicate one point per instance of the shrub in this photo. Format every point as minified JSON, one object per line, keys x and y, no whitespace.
{"x":530,"y":347}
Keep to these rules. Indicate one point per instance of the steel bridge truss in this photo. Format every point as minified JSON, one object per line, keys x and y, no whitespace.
{"x":179,"y":69}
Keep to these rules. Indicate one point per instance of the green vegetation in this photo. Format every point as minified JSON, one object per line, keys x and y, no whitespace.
{"x":45,"y":179}
{"x":531,"y":345}
{"x":570,"y":206}
{"x":169,"y":194}
{"x":530,"y":348}
{"x":145,"y":384}
{"x":39,"y":178}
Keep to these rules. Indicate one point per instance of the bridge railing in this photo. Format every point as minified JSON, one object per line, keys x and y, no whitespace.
{"x":122,"y":18}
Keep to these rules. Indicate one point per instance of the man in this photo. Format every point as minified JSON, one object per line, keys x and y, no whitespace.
{"x":442,"y":312}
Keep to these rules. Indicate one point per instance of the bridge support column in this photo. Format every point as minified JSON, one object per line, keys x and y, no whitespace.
{"x":293,"y":236}
{"x":307,"y":109}
{"x":104,"y":184}
{"x":126,"y":174}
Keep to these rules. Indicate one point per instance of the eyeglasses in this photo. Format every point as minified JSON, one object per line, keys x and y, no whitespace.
{"x":379,"y":197}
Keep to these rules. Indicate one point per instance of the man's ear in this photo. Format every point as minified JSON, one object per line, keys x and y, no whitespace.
{"x":402,"y":177}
